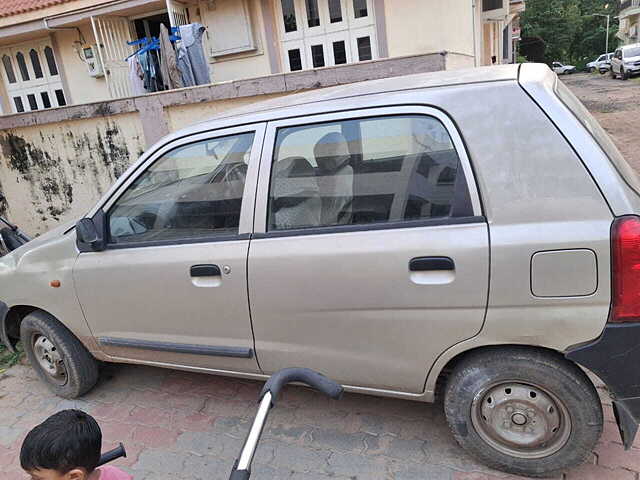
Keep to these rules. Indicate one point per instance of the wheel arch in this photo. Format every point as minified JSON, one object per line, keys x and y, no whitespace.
{"x":10,"y":319}
{"x":444,"y":372}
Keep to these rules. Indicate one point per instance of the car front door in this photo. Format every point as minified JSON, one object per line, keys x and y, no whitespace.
{"x":170,"y":287}
{"x":370,"y":254}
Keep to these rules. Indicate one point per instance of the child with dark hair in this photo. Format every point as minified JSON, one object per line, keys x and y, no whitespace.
{"x":66,"y":446}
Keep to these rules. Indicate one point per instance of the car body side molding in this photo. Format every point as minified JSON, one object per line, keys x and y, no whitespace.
{"x":191,"y":349}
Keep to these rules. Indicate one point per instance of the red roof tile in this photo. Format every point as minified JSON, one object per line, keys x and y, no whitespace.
{"x":13,"y":7}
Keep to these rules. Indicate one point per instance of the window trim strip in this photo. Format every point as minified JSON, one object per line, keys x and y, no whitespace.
{"x":431,"y":222}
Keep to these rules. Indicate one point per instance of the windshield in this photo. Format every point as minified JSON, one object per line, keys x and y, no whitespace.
{"x":632,"y":52}
{"x":599,"y":135}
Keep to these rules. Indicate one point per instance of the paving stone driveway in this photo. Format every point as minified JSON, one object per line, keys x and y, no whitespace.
{"x":178,"y":425}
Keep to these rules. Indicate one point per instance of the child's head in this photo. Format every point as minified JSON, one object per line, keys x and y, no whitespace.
{"x":66,"y":446}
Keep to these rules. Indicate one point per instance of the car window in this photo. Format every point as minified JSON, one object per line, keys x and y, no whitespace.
{"x":354,"y":172}
{"x":191,"y":192}
{"x":600,"y":136}
{"x":601,"y":58}
{"x":618,"y":54}
{"x":631,"y":52}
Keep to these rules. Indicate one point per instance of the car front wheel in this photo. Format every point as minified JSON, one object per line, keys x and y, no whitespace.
{"x":58,"y":357}
{"x":523,"y":411}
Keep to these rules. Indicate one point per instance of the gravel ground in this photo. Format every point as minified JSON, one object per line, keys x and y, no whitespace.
{"x":616,"y":105}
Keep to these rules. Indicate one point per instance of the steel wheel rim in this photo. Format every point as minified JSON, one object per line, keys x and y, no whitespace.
{"x":49,"y":358}
{"x":521,"y":419}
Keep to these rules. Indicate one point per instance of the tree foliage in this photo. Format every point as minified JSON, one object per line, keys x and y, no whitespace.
{"x":568,"y":29}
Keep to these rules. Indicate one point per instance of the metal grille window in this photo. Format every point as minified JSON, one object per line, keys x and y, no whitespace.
{"x":31,"y":76}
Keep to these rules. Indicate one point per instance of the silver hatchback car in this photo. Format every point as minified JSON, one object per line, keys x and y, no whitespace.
{"x":471,"y":235}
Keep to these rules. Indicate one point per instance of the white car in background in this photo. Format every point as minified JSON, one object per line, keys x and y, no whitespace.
{"x":561,"y":69}
{"x":602,"y":63}
{"x":626,"y":61}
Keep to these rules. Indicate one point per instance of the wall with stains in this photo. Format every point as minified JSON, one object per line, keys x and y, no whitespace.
{"x":55,"y":172}
{"x":55,"y":164}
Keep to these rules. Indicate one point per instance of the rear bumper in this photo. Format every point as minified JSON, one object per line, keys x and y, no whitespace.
{"x":615,"y":357}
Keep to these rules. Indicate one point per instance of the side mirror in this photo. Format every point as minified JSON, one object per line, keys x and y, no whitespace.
{"x":86,"y":231}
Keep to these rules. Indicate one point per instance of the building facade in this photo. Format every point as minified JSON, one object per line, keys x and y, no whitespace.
{"x":67,"y":52}
{"x":629,"y":22}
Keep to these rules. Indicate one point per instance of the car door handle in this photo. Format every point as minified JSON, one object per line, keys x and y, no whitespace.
{"x":205,"y":271}
{"x":425,"y":264}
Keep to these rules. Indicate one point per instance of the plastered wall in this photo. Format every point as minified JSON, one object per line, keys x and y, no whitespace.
{"x":55,"y":172}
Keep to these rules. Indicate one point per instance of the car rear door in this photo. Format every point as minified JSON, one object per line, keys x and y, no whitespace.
{"x":370,"y":255}
{"x":171,"y":286}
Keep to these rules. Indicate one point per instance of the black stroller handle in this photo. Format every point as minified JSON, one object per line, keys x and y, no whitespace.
{"x":268,"y":397}
{"x":303,"y":375}
{"x":111,"y":455}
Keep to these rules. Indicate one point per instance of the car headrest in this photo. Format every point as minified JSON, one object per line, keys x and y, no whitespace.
{"x":332,"y":152}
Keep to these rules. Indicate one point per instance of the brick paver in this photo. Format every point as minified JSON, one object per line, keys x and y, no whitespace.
{"x":179,"y":426}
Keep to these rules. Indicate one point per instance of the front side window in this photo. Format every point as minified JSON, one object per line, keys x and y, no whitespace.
{"x":192,"y":192}
{"x":355,"y":172}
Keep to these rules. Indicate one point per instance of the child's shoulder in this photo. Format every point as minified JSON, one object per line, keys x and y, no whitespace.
{"x":112,"y":473}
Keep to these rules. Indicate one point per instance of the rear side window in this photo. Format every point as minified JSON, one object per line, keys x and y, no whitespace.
{"x":357,"y":172}
{"x":598,"y":133}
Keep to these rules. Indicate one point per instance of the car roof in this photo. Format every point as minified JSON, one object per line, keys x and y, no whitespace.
{"x":627,"y":47}
{"x":268,"y":109}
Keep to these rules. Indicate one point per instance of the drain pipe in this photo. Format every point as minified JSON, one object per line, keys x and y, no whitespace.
{"x":473,"y":29}
{"x":45,"y":21}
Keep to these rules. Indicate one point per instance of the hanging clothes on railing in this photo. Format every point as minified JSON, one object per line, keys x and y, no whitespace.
{"x":147,"y":57}
{"x":192,"y":61}
{"x":168,"y":62}
{"x":136,"y":76}
{"x":151,"y":68}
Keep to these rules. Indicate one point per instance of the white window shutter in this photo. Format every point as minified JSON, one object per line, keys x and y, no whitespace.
{"x":229,"y":27}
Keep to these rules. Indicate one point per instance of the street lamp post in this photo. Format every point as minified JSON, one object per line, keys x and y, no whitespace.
{"x":606,"y":48}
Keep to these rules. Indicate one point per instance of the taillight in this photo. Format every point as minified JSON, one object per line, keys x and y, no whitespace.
{"x":625,"y":268}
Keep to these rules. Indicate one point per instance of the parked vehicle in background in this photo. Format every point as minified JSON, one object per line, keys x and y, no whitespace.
{"x":353,"y":231}
{"x":562,"y":69}
{"x":626,"y":61}
{"x":601,"y":64}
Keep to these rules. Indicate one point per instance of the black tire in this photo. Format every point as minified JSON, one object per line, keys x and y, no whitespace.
{"x":612,"y":73}
{"x":567,"y":385}
{"x":80,"y":368}
{"x":592,"y":69}
{"x":623,"y":74}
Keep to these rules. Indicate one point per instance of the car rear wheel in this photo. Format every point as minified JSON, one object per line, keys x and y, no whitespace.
{"x":523,"y":411}
{"x":58,"y":357}
{"x":592,"y":69}
{"x":624,"y":74}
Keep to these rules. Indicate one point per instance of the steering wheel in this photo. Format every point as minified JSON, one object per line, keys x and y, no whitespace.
{"x":236,"y":171}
